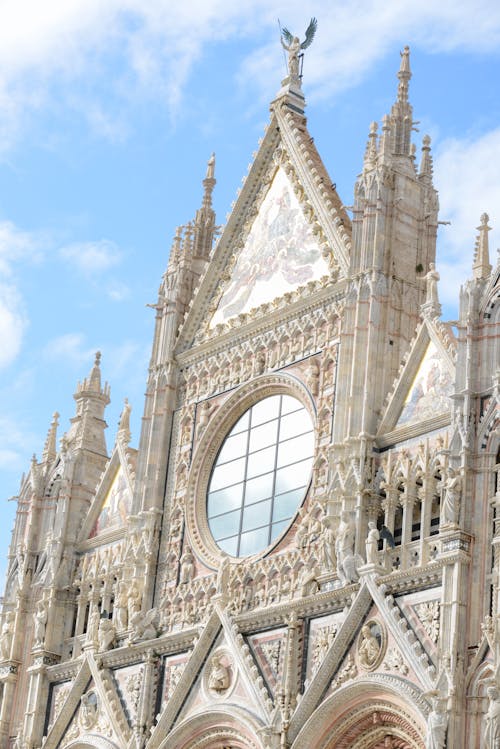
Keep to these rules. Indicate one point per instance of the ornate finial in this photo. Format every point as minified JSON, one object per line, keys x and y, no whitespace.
{"x":481,"y":267}
{"x":293,"y":46}
{"x":426,"y":162}
{"x":404,"y":75}
{"x":371,"y":147}
{"x":124,"y":433}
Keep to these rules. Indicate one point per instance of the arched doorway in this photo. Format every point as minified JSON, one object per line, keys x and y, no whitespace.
{"x":91,"y":741}
{"x":227,"y":727}
{"x":370,"y":714}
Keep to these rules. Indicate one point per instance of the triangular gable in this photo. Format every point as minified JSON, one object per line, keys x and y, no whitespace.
{"x":280,"y":253}
{"x":287,"y":168}
{"x":113,"y":499}
{"x":420,"y":396}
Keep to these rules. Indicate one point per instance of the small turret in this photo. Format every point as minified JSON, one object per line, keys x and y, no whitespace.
{"x":124,"y":435}
{"x":204,"y":222}
{"x":426,"y":166}
{"x":402,"y":111}
{"x":481,"y":267}
{"x":88,"y":425}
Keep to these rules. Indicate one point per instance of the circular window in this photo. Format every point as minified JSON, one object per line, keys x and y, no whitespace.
{"x":260,"y":476}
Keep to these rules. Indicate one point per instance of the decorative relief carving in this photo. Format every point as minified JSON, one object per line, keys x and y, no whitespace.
{"x":371,"y":645}
{"x":323,"y":639}
{"x":394,"y":662}
{"x":429,"y":615}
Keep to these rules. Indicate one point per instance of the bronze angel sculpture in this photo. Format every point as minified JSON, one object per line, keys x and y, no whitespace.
{"x":293,"y":46}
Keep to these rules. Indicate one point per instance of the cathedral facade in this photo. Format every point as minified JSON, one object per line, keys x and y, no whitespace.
{"x":303,"y":551}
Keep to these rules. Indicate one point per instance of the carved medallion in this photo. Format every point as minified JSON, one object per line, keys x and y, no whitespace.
{"x":371,"y":646}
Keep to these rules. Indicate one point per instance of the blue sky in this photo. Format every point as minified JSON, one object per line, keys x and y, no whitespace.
{"x":109,"y":112}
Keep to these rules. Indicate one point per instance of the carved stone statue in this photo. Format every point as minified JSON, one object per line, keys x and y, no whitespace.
{"x":219,"y":677}
{"x":187,"y":567}
{"x":134,"y":600}
{"x":106,"y":634}
{"x":144,"y":625}
{"x":88,"y":710}
{"x":344,"y":548}
{"x":431,"y":280}
{"x":369,"y":647}
{"x":492,"y":720}
{"x":436,"y":727}
{"x":41,"y":616}
{"x":328,"y":544}
{"x":121,"y":608}
{"x":222,"y":583}
{"x":6,"y":637}
{"x":372,"y":544}
{"x":293,"y":46}
{"x":452,"y":492}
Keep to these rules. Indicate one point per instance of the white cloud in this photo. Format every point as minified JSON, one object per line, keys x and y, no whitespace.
{"x":92,"y":258}
{"x":16,"y":246}
{"x":60,"y":41}
{"x":466,"y":175}
{"x":70,"y":348}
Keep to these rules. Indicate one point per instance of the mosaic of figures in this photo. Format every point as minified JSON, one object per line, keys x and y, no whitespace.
{"x":279,"y":254}
{"x":430,"y":390}
{"x":116,"y":506}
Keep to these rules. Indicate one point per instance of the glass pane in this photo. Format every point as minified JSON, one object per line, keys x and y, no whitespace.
{"x":234,"y":447}
{"x":278,"y":528}
{"x":229,"y":545}
{"x":295,"y":449}
{"x":295,"y":424}
{"x":290,"y":404}
{"x":266,"y":410}
{"x":225,"y":525}
{"x":285,"y":505}
{"x":254,"y":541}
{"x":294,"y":476}
{"x":259,"y":488}
{"x":241,"y":424}
{"x":264,"y":435}
{"x":227,"y":474}
{"x":256,"y":515}
{"x":224,"y":500}
{"x":261,"y":461}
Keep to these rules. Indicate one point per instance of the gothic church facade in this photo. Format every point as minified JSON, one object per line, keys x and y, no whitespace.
{"x":303,"y":551}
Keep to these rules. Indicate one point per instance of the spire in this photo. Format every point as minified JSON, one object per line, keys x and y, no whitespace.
{"x":371,"y":148}
{"x":481,"y":267}
{"x":50,"y":448}
{"x":87,"y":426}
{"x":401,"y":112}
{"x":426,"y":166}
{"x":204,"y":222}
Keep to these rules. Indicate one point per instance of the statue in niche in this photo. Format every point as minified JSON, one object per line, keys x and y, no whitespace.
{"x":372,"y":543}
{"x":88,"y":710}
{"x":492,"y":720}
{"x":431,"y":281}
{"x":41,"y":616}
{"x":452,"y":492}
{"x":370,"y":645}
{"x":93,"y":625}
{"x":347,"y":561}
{"x":294,"y":46}
{"x":6,"y":638}
{"x":328,"y":544}
{"x":437,"y":723}
{"x":121,"y":608}
{"x":222,"y":584}
{"x":134,"y":600}
{"x":219,"y":677}
{"x":187,"y":567}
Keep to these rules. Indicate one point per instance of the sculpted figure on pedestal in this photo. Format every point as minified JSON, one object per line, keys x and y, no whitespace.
{"x":372,"y":544}
{"x":492,"y":720}
{"x":452,"y":492}
{"x":121,"y":608}
{"x":6,"y":637}
{"x":436,"y":727}
{"x":293,"y":46}
{"x":41,"y":616}
{"x":106,"y":634}
{"x":219,"y":678}
{"x":347,"y":561}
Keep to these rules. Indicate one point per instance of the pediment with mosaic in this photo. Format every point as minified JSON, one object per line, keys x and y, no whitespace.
{"x":281,"y":249}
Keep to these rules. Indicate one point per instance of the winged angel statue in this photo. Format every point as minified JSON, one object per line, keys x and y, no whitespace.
{"x":293,"y":45}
